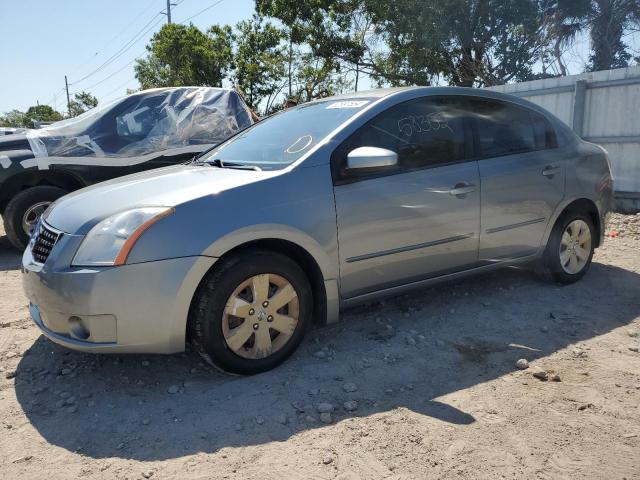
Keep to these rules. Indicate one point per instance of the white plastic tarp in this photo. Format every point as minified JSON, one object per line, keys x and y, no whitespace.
{"x":144,"y":123}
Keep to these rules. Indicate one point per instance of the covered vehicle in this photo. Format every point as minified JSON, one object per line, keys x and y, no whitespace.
{"x":145,"y":130}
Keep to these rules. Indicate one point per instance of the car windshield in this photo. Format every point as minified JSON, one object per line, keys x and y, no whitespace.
{"x":280,"y":140}
{"x":78,"y":125}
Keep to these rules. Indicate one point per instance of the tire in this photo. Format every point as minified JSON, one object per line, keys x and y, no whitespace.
{"x":555,"y":261}
{"x":18,"y":206}
{"x":212,"y":325}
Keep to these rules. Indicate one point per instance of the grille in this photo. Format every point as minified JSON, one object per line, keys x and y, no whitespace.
{"x":44,"y":241}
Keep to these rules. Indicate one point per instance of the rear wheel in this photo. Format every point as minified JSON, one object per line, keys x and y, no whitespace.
{"x":570,"y":248}
{"x":24,"y":210}
{"x":251,"y":312}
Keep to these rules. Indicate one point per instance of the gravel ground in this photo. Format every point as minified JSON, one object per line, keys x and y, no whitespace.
{"x":420,"y":386}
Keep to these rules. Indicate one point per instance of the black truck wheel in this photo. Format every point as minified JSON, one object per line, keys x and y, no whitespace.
{"x":24,"y":209}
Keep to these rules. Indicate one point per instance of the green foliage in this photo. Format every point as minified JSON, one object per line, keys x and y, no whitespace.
{"x":609,"y":20}
{"x":82,"y":102}
{"x":182,"y":55}
{"x":405,"y":42}
{"x":18,"y":119}
{"x":42,"y":113}
{"x":259,"y":61}
{"x":14,"y":119}
{"x":316,"y":77}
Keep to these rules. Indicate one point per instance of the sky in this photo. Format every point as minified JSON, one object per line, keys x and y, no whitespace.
{"x":44,"y":40}
{"x":95,"y":43}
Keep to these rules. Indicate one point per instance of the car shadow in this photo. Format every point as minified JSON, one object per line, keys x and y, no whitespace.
{"x":405,"y":352}
{"x":9,"y":256}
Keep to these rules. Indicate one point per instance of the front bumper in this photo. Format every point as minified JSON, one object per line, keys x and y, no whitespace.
{"x":138,"y":308}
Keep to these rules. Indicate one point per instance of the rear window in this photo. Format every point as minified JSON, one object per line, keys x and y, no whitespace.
{"x":505,"y":129}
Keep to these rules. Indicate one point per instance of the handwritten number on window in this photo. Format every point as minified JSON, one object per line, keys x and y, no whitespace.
{"x":411,"y":124}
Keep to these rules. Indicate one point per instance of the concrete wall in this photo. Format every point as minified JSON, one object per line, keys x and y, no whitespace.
{"x":602,"y":107}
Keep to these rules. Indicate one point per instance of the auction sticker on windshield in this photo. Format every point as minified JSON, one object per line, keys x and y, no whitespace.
{"x":348,"y":104}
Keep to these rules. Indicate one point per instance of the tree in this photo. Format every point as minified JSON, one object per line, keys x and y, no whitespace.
{"x":316,"y":77}
{"x":609,"y":20}
{"x":18,"y":119}
{"x":82,"y":102}
{"x":260,"y":61}
{"x":14,"y":119}
{"x":466,"y":42}
{"x":181,"y":55}
{"x":41,"y":113}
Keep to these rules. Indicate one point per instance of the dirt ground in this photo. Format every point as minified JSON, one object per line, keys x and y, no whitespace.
{"x":420,"y":386}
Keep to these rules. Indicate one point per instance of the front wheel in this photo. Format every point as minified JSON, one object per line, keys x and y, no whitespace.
{"x":570,"y":248}
{"x":251,"y":312}
{"x":24,"y":210}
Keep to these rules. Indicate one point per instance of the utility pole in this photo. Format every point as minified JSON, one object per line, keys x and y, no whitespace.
{"x":168,"y":12}
{"x":66,"y":85}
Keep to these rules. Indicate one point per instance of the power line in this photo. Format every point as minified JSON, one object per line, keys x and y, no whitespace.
{"x":126,"y":47}
{"x":112,"y":74}
{"x":202,"y":11}
{"x":110,"y":42}
{"x":110,"y":92}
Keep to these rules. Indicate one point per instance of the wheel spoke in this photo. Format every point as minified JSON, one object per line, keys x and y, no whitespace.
{"x":260,"y":288}
{"x":564,"y":257}
{"x":239,"y":336}
{"x":584,"y":236}
{"x":263,"y":345}
{"x":282,"y":297}
{"x":237,"y":307}
{"x":582,"y":253}
{"x":575,"y":230}
{"x":284,"y":324}
{"x":574,"y":265}
{"x":566,"y":239}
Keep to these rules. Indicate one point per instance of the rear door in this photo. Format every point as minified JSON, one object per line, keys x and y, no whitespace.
{"x":522,"y":173}
{"x":418,"y":220}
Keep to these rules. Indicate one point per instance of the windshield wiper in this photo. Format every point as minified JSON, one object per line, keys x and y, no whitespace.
{"x":216,"y":162}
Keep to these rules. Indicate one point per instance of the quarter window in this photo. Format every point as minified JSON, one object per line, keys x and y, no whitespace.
{"x":504,"y":129}
{"x":425,"y":132}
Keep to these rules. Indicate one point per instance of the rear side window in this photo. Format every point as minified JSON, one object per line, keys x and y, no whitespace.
{"x":425,"y":132}
{"x":505,"y":129}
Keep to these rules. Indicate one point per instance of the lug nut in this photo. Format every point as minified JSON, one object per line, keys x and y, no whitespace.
{"x":256,"y":326}
{"x":270,"y":318}
{"x":251,"y":311}
{"x":265,"y":304}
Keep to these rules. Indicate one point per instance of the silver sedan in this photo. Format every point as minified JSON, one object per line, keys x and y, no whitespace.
{"x":329,"y":204}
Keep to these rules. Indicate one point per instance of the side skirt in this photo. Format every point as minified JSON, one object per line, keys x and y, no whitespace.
{"x":400,"y":289}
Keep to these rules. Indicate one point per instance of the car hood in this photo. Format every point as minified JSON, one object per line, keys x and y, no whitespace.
{"x":79,"y":211}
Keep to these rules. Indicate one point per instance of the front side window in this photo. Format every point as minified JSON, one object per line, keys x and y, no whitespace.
{"x":505,"y":129}
{"x":424,"y":132}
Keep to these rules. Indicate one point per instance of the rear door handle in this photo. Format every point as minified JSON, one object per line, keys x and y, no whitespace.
{"x":461,"y":189}
{"x":550,"y":170}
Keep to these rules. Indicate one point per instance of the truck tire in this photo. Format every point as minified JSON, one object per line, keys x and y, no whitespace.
{"x":24,"y":209}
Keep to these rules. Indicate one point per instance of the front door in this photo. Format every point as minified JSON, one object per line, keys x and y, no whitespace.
{"x":418,"y":220}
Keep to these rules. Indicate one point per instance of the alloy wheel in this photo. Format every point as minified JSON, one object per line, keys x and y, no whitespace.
{"x":575,"y":247}
{"x":31,"y":216}
{"x":260,"y":316}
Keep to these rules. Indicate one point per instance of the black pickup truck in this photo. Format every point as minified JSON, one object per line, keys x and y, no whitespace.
{"x":148,"y":129}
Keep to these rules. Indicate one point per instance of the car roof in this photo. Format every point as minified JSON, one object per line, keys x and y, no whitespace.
{"x":431,"y":90}
{"x":380,"y":93}
{"x":172,"y":89}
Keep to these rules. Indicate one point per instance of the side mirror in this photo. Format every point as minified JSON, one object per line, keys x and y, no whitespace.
{"x":371,"y":157}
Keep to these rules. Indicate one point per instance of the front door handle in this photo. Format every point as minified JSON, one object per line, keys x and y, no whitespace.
{"x":550,"y":170}
{"x":460,"y":190}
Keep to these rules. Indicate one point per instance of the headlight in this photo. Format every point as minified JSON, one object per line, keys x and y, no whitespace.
{"x":111,"y":240}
